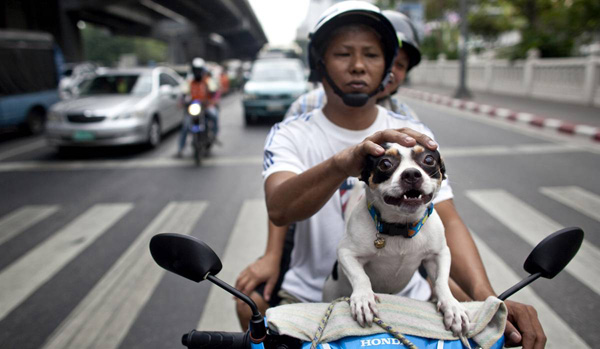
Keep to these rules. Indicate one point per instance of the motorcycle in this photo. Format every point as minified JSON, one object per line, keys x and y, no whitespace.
{"x":201,"y":128}
{"x":191,"y":258}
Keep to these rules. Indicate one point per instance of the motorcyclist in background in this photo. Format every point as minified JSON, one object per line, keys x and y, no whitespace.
{"x":204,"y":89}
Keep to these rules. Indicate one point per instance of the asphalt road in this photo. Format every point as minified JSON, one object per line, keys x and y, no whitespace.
{"x":74,"y":265}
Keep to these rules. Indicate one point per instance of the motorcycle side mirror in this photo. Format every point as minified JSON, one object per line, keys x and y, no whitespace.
{"x":553,"y":253}
{"x":185,"y":256}
{"x":549,"y":257}
{"x":191,"y":258}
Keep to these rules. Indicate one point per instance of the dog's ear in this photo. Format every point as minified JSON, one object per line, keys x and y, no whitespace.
{"x":370,"y":162}
{"x":443,"y":168}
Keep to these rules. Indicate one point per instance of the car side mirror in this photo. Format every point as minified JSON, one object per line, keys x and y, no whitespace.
{"x":165,"y":89}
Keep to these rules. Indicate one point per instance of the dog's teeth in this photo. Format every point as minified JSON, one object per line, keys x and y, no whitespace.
{"x":420,"y":196}
{"x":405,"y":197}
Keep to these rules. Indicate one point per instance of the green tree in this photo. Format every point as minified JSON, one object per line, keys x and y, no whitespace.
{"x":102,"y":47}
{"x":554,"y":27}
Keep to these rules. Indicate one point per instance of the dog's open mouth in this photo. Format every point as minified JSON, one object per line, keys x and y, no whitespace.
{"x":409,"y":197}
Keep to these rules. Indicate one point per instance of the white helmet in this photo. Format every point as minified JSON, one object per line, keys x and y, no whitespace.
{"x":198,"y":63}
{"x":346,"y":13}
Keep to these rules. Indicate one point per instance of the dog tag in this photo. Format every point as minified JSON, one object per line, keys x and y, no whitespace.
{"x":379,"y":243}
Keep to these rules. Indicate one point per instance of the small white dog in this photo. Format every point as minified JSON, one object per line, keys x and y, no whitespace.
{"x":391,"y":230}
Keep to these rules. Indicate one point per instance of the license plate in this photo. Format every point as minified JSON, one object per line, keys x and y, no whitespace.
{"x":83,"y":136}
{"x":274,"y":106}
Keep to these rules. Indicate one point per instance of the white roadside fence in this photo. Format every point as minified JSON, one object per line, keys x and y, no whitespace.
{"x":575,"y":80}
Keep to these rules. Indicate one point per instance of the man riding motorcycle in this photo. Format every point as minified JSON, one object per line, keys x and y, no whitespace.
{"x":202,"y":88}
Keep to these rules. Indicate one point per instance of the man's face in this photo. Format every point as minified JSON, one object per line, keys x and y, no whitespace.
{"x":399,"y":72}
{"x":355,"y":60}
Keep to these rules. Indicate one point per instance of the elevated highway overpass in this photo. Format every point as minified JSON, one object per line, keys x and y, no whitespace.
{"x":213,"y":29}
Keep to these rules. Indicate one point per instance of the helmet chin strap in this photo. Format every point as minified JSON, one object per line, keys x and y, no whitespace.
{"x":352,"y":99}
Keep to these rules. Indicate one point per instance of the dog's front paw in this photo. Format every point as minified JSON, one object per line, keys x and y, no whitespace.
{"x":456,"y":318}
{"x":363,"y":306}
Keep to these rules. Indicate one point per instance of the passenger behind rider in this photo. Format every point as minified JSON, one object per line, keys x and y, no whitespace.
{"x":310,"y":159}
{"x":201,"y":88}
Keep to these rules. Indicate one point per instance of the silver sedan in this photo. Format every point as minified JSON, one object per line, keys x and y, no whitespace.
{"x":117,"y":107}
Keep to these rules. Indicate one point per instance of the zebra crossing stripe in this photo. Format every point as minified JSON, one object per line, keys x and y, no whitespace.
{"x":576,"y":198}
{"x":246,"y":243}
{"x":558,"y":332}
{"x":22,"y":219}
{"x":533,"y":226}
{"x":104,"y":317}
{"x":20,"y":279}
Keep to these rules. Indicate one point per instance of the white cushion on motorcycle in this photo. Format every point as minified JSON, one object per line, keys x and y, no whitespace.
{"x":407,"y":316}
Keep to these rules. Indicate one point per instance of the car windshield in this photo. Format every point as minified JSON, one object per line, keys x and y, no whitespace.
{"x":135,"y":84}
{"x":277,"y":72}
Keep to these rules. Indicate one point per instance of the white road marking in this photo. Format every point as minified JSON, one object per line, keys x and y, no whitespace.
{"x":126,"y":164}
{"x":23,"y":149}
{"x":106,"y":314}
{"x":558,"y":332}
{"x":550,"y":135}
{"x":533,"y":226}
{"x":246,"y":243}
{"x":258,"y":160}
{"x":20,"y":279}
{"x":576,"y":198}
{"x":451,"y":152}
{"x":20,"y":220}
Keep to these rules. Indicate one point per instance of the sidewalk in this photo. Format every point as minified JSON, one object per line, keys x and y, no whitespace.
{"x":564,"y":117}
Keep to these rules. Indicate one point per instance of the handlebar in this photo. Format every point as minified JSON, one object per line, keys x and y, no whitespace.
{"x":215,"y":339}
{"x":236,"y":340}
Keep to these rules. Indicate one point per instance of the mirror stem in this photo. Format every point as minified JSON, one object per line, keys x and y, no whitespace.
{"x":258,"y":329}
{"x":531,"y":278}
{"x":215,"y":280}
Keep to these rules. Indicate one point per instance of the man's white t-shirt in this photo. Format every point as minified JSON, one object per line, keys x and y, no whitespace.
{"x":300,"y":143}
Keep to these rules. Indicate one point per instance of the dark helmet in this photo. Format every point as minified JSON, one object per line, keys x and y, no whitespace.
{"x":407,"y":35}
{"x":346,"y":13}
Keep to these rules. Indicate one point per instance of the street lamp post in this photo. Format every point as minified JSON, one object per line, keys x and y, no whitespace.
{"x":462,"y":91}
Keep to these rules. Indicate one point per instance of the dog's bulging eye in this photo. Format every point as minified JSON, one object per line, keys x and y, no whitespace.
{"x":429,"y":160}
{"x":385,"y":165}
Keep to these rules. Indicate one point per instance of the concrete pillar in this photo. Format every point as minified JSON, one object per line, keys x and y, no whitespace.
{"x":69,"y":38}
{"x":532,"y":56}
{"x":591,"y":76}
{"x":488,"y":75}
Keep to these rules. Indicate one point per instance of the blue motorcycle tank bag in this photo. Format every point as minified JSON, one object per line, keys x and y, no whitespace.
{"x":387,"y":341}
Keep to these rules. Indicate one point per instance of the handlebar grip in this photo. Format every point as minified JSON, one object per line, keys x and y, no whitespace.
{"x":212,"y":339}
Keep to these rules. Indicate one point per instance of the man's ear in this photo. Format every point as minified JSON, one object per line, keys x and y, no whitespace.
{"x":370,"y":162}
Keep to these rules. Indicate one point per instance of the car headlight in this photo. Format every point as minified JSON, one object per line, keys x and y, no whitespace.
{"x":194,"y":109}
{"x":249,"y":96}
{"x":136,"y":114}
{"x":54,"y":116}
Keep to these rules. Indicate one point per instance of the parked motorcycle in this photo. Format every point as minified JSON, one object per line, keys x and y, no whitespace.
{"x":201,"y":128}
{"x":193,"y":259}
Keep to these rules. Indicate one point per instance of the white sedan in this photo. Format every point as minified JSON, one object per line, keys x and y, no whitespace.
{"x":117,"y":107}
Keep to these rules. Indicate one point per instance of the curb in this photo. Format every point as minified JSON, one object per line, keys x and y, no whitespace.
{"x":508,"y":114}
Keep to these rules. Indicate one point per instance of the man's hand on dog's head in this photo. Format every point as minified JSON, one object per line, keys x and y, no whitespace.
{"x":406,"y":137}
{"x":351,"y":160}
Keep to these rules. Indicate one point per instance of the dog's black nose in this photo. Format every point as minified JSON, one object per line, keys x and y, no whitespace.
{"x":411,"y":176}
